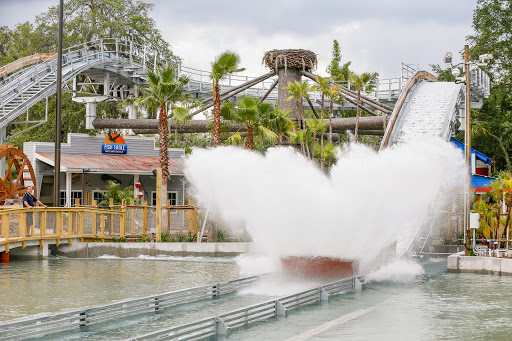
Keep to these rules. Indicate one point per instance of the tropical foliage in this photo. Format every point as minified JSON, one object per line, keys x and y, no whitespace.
{"x":495,"y":209}
{"x":113,"y":190}
{"x":254,"y":115}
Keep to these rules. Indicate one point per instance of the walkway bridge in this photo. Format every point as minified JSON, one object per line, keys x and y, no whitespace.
{"x":21,"y":228}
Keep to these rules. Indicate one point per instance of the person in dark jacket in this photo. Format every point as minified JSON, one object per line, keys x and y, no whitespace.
{"x":30,"y":201}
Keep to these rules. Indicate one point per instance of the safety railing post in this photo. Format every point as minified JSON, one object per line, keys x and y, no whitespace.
{"x":132,"y":216}
{"x":122,"y":228}
{"x":94,"y":222}
{"x":83,"y":319}
{"x":144,"y":217}
{"x":102,"y":226}
{"x":22,"y":229}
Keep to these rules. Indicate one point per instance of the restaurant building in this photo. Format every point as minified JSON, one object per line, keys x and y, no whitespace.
{"x":89,"y":162}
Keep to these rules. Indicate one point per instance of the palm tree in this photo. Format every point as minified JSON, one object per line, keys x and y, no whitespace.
{"x":114,"y":191}
{"x":333,"y":92}
{"x":315,"y":126}
{"x":298,"y":136}
{"x":224,"y":65}
{"x":299,"y":91}
{"x":330,"y":154}
{"x":324,"y":85}
{"x":254,"y":114}
{"x":360,"y":82}
{"x":281,"y":121}
{"x":164,"y":90}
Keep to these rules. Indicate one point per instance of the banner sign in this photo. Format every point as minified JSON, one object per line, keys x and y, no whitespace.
{"x":114,"y":144}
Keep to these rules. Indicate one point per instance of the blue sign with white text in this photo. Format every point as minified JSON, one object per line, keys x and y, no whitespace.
{"x":114,"y":148}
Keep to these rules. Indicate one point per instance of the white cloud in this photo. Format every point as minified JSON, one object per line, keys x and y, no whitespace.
{"x":375,"y":35}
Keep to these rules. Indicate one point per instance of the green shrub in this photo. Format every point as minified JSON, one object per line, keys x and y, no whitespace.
{"x":222,"y":236}
{"x":144,"y":239}
{"x":119,"y":240}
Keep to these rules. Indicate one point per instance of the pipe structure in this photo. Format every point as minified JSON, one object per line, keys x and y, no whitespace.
{"x":269,"y":90}
{"x":339,"y":125}
{"x":345,"y":91}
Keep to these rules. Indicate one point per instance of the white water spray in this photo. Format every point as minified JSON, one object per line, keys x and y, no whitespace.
{"x":291,"y":208}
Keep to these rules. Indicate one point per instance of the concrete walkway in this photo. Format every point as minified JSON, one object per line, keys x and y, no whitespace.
{"x":481,"y":265}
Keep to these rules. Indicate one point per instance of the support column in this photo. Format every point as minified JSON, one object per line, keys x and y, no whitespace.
{"x":90,"y":108}
{"x":68,"y":189}
{"x":106,"y":84}
{"x":284,"y":77}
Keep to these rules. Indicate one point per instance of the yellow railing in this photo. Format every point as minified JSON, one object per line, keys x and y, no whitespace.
{"x":22,"y":224}
{"x":91,"y":222}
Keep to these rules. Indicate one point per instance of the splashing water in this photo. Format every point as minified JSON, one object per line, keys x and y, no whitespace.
{"x":291,"y":208}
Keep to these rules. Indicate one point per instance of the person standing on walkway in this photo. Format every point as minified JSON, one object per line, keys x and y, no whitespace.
{"x":30,"y":201}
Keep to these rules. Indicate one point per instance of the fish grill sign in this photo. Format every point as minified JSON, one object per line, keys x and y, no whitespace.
{"x":114,"y":144}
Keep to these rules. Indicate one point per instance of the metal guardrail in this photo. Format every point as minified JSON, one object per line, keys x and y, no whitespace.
{"x":79,"y":318}
{"x":225,"y":323}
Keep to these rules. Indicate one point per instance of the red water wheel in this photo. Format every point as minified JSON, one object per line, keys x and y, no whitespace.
{"x":18,"y":173}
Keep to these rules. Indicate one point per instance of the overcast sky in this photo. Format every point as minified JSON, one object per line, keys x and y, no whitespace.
{"x":376,"y":35}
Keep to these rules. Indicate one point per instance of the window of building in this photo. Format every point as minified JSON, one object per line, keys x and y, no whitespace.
{"x":171,"y":196}
{"x":98,"y":196}
{"x":74,"y":195}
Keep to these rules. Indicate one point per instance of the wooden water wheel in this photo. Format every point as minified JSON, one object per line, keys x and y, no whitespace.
{"x":19,"y":174}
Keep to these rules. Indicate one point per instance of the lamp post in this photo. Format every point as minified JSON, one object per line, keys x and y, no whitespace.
{"x":56,"y":179}
{"x":467,"y":150}
{"x":467,"y":136}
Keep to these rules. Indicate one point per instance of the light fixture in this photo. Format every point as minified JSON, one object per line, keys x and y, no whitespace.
{"x":455,"y":72}
{"x":448,"y":58}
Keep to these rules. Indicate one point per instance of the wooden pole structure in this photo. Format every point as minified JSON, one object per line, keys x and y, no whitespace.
{"x":158,"y":203}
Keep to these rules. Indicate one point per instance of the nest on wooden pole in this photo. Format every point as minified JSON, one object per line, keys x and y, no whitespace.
{"x":297,"y":59}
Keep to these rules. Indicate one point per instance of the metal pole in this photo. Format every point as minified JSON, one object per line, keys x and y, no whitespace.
{"x":467,"y":150}
{"x":56,"y":178}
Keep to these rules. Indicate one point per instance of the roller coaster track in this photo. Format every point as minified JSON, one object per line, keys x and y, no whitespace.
{"x":119,"y":66}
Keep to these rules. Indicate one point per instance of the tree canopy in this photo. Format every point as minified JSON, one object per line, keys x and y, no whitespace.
{"x":492,"y":124}
{"x":84,"y":20}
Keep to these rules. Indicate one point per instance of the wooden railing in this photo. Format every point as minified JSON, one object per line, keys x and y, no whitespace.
{"x":91,"y":222}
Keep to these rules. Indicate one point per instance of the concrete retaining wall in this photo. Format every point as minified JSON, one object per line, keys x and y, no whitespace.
{"x":125,"y":250}
{"x":481,"y":265}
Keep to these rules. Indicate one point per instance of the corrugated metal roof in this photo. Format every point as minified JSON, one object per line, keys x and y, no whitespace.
{"x":111,"y":163}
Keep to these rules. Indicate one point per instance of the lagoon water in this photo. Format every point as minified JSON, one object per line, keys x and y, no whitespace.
{"x":405,"y":301}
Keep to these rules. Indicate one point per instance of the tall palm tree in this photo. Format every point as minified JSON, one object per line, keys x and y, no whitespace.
{"x":333,"y":92}
{"x":281,"y":121}
{"x":299,"y":91}
{"x":324,"y":85}
{"x":360,"y":81}
{"x":254,"y":114}
{"x":225,"y":64}
{"x":164,"y":90}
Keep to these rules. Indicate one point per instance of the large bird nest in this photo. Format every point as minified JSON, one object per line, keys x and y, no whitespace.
{"x":297,"y":59}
